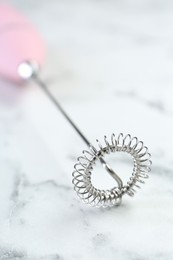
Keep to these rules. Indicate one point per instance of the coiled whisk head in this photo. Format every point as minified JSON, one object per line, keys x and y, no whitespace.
{"x":108,"y":198}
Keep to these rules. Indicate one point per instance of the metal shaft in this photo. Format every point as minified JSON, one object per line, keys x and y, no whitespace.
{"x":57,"y":104}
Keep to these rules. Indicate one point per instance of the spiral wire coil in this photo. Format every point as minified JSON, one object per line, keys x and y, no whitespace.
{"x":84,"y":167}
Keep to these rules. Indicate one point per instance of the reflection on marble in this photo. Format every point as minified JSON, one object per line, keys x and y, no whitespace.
{"x":110,"y":63}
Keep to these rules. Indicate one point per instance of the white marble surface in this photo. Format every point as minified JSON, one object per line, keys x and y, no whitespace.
{"x":111,"y":65}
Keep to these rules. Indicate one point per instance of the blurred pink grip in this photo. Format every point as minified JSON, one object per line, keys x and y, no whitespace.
{"x":19,"y":41}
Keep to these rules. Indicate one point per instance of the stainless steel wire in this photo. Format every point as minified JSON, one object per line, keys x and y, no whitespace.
{"x":85,"y":165}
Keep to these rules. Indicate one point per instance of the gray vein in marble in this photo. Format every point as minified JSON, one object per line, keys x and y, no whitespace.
{"x":154,"y":104}
{"x":162,"y":171}
{"x":21,"y":183}
{"x":11,"y":254}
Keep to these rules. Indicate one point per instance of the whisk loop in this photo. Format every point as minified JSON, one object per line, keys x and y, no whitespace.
{"x":108,"y":198}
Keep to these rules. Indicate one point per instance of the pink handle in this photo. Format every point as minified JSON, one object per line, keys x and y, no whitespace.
{"x":19,"y":41}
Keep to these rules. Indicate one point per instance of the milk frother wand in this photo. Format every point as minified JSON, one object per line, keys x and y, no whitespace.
{"x":26,"y":54}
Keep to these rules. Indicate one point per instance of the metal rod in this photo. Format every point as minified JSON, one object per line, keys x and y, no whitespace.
{"x":57,"y":104}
